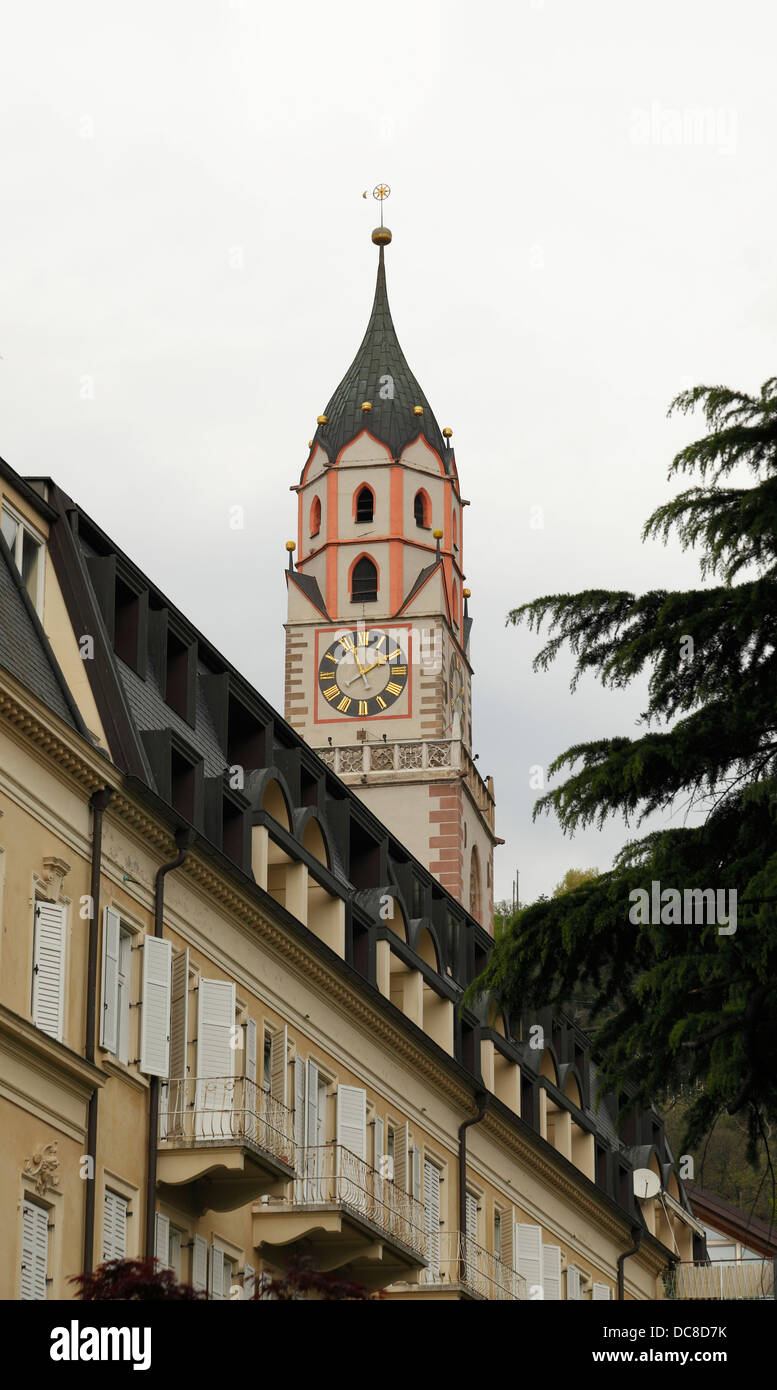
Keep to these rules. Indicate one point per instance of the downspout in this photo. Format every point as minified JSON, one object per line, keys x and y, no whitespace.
{"x":183,"y":840}
{"x":481,"y":1100}
{"x":627,"y":1254}
{"x":97,"y":802}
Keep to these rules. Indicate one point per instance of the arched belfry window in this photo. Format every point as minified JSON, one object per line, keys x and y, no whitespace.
{"x":364,"y":582}
{"x":365,"y":504}
{"x":421,"y":509}
{"x":315,"y":516}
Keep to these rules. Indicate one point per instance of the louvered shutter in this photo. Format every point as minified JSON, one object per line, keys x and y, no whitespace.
{"x":416,"y":1168}
{"x":251,"y":1049}
{"x":179,"y":1014}
{"x":48,"y":976}
{"x":249,"y":1281}
{"x":529,"y":1250}
{"x":109,"y":1027}
{"x":573,"y":1283}
{"x":279,"y":1046}
{"x":299,"y":1102}
{"x":216,"y":1273}
{"x":200,"y":1263}
{"x":352,"y":1119}
{"x":432,"y":1216}
{"x":162,"y":1240}
{"x":551,"y":1272}
{"x":471,"y":1217}
{"x":401,"y":1165}
{"x":378,"y":1143}
{"x":600,"y":1291}
{"x":108,"y":1226}
{"x":155,"y":1021}
{"x":506,"y":1239}
{"x":312,"y":1157}
{"x":215,"y":1058}
{"x":114,"y":1227}
{"x":175,"y":1253}
{"x":35,"y":1251}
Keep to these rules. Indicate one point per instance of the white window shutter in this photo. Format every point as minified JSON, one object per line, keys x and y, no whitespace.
{"x":109,"y":1024}
{"x":551,"y":1272}
{"x":506,"y":1251}
{"x":574,"y":1290}
{"x":352,"y":1119}
{"x":35,"y":1251}
{"x":114,"y":1226}
{"x":416,"y":1173}
{"x":179,"y":1014}
{"x":200,"y":1263}
{"x":529,"y":1250}
{"x":600,"y":1291}
{"x":249,"y":1281}
{"x":215,"y":1021}
{"x":279,"y":1047}
{"x":216,"y":1273}
{"x":378,"y":1143}
{"x":311,"y":1108}
{"x":401,"y":1155}
{"x":251,"y":1049}
{"x":471,"y":1217}
{"x":432,"y":1215}
{"x":155,"y":1021}
{"x":48,"y":976}
{"x":299,"y":1102}
{"x":162,"y":1240}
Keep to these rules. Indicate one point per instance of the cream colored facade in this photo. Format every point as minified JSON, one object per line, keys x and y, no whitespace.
{"x":350,"y":994}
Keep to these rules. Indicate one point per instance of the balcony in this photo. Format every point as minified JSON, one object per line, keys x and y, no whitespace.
{"x":347,"y":1217}
{"x":459,"y":1269}
{"x":747,"y":1279}
{"x":223,"y":1141}
{"x":416,"y":760}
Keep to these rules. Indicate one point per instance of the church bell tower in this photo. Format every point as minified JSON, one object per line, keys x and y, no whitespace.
{"x":378,"y":676}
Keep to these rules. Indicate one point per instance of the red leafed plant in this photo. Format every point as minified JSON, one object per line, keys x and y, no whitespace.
{"x":139,"y":1280}
{"x":302,"y":1282}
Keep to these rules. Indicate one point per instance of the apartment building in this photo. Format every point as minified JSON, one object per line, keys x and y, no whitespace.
{"x":230,"y":1030}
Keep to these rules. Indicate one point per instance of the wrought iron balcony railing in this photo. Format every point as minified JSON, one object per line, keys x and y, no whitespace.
{"x":331,"y":1174}
{"x":225,"y":1110}
{"x":746,"y":1279}
{"x":455,"y":1258}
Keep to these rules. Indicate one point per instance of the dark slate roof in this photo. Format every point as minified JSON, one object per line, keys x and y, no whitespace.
{"x":391,"y":420}
{"x":310,"y":589}
{"x":24,"y":647}
{"x":419,"y":583}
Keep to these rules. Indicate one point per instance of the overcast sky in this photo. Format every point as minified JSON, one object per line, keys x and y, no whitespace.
{"x":583,"y":208}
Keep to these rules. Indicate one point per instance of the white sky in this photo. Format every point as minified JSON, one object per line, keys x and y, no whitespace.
{"x":572,"y":246}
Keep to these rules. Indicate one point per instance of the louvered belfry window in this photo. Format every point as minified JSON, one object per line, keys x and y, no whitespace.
{"x":365,"y":505}
{"x":364,"y":582}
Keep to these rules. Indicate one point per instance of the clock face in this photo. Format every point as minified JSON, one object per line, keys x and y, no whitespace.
{"x":362,"y":673}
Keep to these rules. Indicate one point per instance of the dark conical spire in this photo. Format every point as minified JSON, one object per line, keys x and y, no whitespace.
{"x":380,"y":375}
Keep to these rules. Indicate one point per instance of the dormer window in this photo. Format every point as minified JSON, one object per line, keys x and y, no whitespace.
{"x":365,"y":505}
{"x":364,"y":582}
{"x":26,"y":547}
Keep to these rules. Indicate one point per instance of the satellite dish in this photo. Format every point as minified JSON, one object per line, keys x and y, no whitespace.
{"x":646,"y":1183}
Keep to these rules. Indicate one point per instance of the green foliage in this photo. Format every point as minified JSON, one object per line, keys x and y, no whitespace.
{"x":695,"y":1008}
{"x":574,"y":878}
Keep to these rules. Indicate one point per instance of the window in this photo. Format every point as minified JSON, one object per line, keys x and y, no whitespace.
{"x":364,"y":582}
{"x":365,"y":505}
{"x":116,"y":965}
{"x":115,"y":1213}
{"x":267,"y":1067}
{"x":26,"y":547}
{"x":498,"y":1234}
{"x":455,"y":532}
{"x":48,"y":969}
{"x":421,"y":510}
{"x":315,"y":516}
{"x":174,"y":1257}
{"x":432,"y":1214}
{"x":35,"y":1251}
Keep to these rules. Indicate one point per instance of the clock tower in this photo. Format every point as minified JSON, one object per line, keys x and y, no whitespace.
{"x":378,"y":674}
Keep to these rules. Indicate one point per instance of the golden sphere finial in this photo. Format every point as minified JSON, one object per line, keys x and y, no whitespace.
{"x":437,"y":533}
{"x":381,"y":236}
{"x":321,"y":419}
{"x":366,"y":405}
{"x":447,"y":432}
{"x":291,"y":545}
{"x":418,"y":410}
{"x":467,"y":593}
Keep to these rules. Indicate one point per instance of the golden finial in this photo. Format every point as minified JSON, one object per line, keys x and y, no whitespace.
{"x":321,"y":419}
{"x":467,"y":593}
{"x":381,"y":235}
{"x":366,"y":405}
{"x":447,"y":432}
{"x":418,"y":410}
{"x":437,"y":533}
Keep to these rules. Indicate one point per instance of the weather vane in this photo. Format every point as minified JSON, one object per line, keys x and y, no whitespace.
{"x":381,"y":191}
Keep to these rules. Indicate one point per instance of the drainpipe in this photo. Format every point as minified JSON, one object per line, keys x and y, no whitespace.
{"x":627,"y":1254}
{"x":97,"y":802}
{"x":183,"y":839}
{"x":481,"y":1100}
